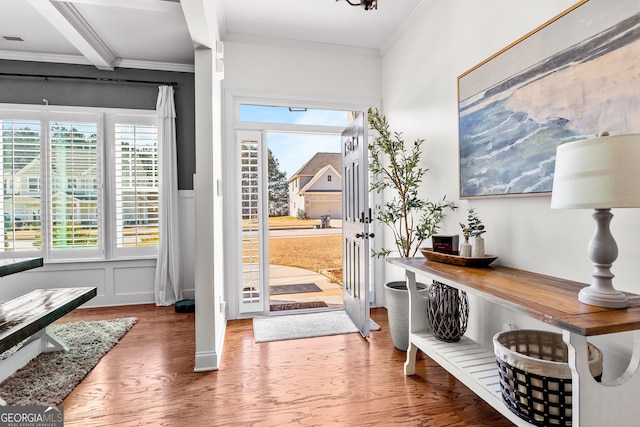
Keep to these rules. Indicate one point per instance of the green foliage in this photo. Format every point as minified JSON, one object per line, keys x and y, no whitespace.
{"x":278,"y":188}
{"x":396,"y":166}
{"x":301,"y":214}
{"x":475,"y":224}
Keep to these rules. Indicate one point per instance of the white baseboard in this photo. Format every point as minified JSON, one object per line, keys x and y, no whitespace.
{"x":206,"y":361}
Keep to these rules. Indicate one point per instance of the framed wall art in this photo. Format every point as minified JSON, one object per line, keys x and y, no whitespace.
{"x":573,"y":78}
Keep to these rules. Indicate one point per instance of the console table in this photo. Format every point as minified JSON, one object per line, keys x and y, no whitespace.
{"x":548,"y":299}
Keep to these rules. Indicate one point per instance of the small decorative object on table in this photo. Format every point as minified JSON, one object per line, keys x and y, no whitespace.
{"x":431,"y":255}
{"x":465,"y":247}
{"x":475,"y":229}
{"x":446,"y":244}
{"x":447,"y":312}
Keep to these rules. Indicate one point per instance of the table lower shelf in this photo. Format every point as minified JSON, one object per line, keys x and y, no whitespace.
{"x":472,"y":364}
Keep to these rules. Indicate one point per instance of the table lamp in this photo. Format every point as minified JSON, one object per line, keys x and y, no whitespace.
{"x":600,"y":173}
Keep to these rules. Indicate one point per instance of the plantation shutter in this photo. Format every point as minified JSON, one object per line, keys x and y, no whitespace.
{"x":74,"y":186}
{"x":20,"y":205}
{"x":136,"y":176}
{"x":253,"y":262}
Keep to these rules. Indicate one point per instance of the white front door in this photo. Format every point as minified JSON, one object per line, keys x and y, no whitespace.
{"x":356,"y":223}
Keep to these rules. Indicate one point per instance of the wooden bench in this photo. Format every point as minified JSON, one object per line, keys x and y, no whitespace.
{"x":27,"y":318}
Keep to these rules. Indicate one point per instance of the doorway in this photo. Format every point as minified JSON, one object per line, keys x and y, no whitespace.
{"x":290,"y":208}
{"x":305,"y":222}
{"x":248,"y":238}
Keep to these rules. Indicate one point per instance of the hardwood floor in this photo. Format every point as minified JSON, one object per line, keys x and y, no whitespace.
{"x":147,"y":379}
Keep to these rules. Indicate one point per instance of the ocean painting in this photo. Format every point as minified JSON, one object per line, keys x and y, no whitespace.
{"x":546,"y":90}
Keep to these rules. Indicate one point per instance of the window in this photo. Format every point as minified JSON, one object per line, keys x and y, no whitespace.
{"x":74,"y":213}
{"x":78,"y":183}
{"x":291,"y":115}
{"x":34,"y":184}
{"x":136,"y":184}
{"x":329,"y":178}
{"x":21,"y":228}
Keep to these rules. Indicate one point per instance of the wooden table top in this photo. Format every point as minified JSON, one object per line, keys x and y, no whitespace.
{"x":24,"y":316}
{"x":549,"y":299}
{"x":16,"y":265}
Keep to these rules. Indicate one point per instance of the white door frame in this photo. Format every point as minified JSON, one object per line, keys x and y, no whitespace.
{"x":229,"y":188}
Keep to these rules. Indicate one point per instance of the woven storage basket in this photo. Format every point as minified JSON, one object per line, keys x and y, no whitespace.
{"x":447,"y":312}
{"x":535,"y":378}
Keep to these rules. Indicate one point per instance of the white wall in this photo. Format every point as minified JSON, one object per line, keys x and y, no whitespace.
{"x":305,"y":74}
{"x":117,"y":282}
{"x":420,"y":98}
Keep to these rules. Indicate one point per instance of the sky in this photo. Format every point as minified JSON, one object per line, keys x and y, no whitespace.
{"x":293,"y":150}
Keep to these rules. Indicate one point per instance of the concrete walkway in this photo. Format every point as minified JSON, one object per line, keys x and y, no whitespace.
{"x":284,"y":275}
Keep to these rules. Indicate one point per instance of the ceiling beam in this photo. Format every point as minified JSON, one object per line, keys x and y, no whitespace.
{"x":150,"y":5}
{"x":71,"y":24}
{"x":202,"y":21}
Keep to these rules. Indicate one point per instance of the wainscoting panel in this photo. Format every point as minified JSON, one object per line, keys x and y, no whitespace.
{"x":119,"y":282}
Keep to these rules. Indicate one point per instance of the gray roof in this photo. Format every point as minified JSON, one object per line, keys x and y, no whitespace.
{"x":317,"y":162}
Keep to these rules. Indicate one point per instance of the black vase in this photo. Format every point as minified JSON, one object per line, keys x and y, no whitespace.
{"x":447,"y":312}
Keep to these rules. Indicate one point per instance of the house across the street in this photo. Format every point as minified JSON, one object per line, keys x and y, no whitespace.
{"x":316,"y":188}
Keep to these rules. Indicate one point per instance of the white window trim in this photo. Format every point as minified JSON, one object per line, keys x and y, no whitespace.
{"x":106,"y":250}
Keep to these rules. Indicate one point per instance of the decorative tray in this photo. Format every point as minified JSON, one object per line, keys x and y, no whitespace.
{"x":484,"y":261}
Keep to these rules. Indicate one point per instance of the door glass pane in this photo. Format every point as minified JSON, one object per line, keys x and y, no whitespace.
{"x":292,"y":115}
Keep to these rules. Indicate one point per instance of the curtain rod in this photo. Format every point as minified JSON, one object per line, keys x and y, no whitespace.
{"x":99,"y":79}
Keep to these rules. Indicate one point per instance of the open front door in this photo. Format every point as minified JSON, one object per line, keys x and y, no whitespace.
{"x":357,"y":219}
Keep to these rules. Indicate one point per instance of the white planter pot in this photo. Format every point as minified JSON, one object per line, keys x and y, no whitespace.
{"x":397,"y":297}
{"x":477,"y":251}
{"x":465,"y":250}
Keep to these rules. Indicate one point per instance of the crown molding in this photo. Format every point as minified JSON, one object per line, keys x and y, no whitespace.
{"x":153,"y":65}
{"x":405,"y":25}
{"x":81,"y":60}
{"x":299,"y":44}
{"x":44,"y":57}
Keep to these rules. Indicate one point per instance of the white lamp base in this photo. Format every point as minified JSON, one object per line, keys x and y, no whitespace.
{"x":603,"y":251}
{"x":612,"y":299}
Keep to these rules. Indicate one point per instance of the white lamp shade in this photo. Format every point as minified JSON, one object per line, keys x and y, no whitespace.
{"x":598,"y":173}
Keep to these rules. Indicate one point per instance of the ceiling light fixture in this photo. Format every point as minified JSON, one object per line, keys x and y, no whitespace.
{"x":366,"y":4}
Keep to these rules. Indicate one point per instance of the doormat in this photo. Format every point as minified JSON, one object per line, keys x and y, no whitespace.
{"x":297,"y":305}
{"x":294,"y":326}
{"x":298,"y":288}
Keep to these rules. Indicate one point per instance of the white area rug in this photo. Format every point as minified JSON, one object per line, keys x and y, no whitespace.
{"x":50,"y":377}
{"x":294,"y":326}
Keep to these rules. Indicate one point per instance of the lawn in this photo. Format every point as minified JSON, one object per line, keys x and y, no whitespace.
{"x":322,"y":254}
{"x":311,"y":253}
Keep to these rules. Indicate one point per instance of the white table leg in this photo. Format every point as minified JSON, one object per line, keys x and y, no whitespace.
{"x":614,"y":403}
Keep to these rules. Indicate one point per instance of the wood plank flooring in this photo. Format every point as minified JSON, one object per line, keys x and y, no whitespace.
{"x":147,"y":379}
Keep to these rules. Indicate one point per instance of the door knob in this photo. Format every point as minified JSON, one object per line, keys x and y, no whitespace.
{"x":365,"y":235}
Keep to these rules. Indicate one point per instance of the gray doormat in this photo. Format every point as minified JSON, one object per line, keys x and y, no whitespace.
{"x":298,"y":288}
{"x":294,"y":326}
{"x":284,"y":306}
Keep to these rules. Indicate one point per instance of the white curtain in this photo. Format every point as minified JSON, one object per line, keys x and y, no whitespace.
{"x":167,"y":284}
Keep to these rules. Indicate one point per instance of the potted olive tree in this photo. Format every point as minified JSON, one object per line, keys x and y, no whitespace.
{"x":396,"y":169}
